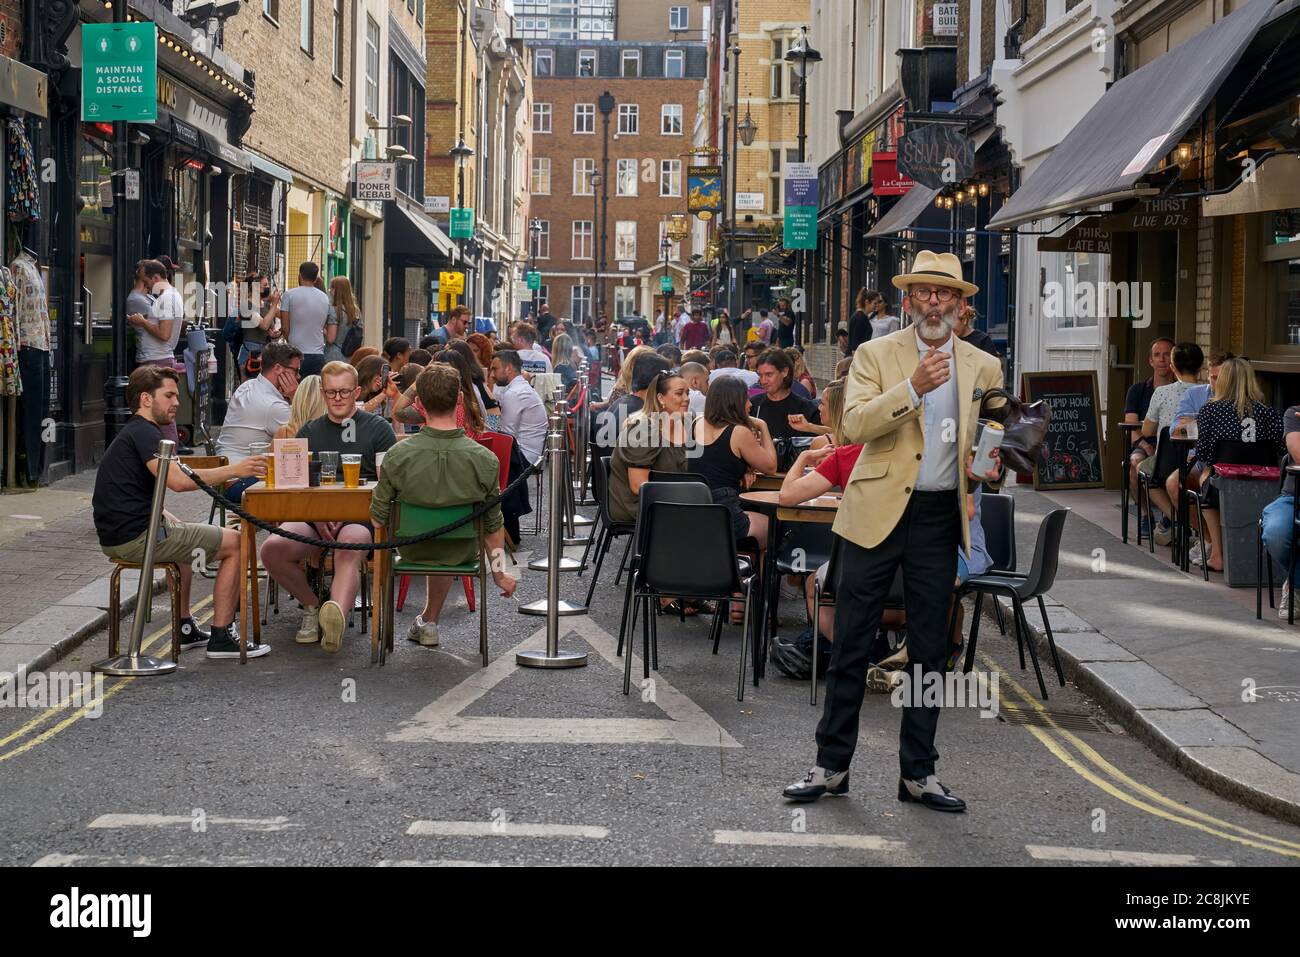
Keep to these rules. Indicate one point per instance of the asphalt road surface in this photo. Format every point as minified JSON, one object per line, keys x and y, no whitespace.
{"x":305,"y":758}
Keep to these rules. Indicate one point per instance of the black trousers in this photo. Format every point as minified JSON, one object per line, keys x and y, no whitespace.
{"x":924,"y":543}
{"x":34,"y":367}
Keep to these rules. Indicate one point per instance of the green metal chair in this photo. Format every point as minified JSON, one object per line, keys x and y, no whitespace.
{"x":408,"y":519}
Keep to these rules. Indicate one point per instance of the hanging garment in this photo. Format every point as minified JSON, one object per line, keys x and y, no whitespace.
{"x":11,"y":382}
{"x":24,"y":200}
{"x":33,"y":309}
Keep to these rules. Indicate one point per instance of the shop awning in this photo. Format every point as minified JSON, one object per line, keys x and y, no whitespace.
{"x":229,"y":155}
{"x":273,"y":170}
{"x":1135,"y":124}
{"x":905,"y":212}
{"x":1276,"y":185}
{"x":415,"y":234}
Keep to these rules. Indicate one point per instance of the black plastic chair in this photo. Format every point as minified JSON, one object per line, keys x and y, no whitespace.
{"x":1166,"y":463}
{"x":998,"y":520}
{"x":688,"y":493}
{"x":609,"y":529}
{"x":708,"y":570}
{"x":823,"y":597}
{"x":1228,"y":452}
{"x":1041,"y":577}
{"x":658,"y":476}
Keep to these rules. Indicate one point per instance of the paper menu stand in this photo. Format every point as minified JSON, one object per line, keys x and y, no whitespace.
{"x":291,"y":463}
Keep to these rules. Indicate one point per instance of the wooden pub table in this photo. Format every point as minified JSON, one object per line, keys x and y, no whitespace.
{"x":822,"y":511}
{"x":327,"y":503}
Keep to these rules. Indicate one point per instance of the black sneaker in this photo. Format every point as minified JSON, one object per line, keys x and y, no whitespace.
{"x":192,"y":636}
{"x":225,"y":644}
{"x":794,"y":658}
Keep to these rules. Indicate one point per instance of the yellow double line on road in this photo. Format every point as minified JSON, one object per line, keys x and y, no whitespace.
{"x":1084,"y":760}
{"x":81,"y":712}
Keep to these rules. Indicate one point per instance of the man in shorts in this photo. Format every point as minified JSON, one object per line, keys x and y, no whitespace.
{"x":123,"y":500}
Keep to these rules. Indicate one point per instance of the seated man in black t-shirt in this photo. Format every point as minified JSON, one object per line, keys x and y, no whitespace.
{"x":347,"y":430}
{"x":123,"y":500}
{"x":778,"y":403}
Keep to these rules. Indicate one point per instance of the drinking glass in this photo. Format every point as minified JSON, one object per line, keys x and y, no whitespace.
{"x":351,"y":471}
{"x":264,"y":448}
{"x":329,"y":468}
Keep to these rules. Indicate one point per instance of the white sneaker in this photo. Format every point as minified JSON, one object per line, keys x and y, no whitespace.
{"x":424,"y":632}
{"x":1284,"y":606}
{"x":332,"y":623}
{"x":1164,"y":533}
{"x":309,"y":630}
{"x":1194,"y":555}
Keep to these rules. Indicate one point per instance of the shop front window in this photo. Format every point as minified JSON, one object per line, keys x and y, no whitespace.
{"x":1282,"y":271}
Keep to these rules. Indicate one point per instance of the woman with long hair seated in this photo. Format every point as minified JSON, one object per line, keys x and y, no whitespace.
{"x":308,"y":404}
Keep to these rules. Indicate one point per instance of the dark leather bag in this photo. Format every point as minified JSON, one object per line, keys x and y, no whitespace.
{"x":1025,"y":424}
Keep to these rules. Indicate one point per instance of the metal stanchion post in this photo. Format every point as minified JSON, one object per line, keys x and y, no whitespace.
{"x":133,"y":663}
{"x":555,"y":489}
{"x":554,"y":607}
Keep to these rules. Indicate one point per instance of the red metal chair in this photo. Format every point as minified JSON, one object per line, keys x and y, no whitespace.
{"x":501,"y":446}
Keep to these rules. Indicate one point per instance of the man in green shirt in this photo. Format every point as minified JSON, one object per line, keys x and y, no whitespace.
{"x":439,"y":467}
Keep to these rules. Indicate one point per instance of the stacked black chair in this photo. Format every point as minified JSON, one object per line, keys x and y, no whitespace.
{"x":608,"y":528}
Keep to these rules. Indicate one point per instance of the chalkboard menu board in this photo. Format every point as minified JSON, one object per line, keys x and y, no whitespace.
{"x":1071,"y":456}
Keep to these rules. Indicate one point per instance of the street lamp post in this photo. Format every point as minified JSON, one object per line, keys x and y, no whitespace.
{"x":461,"y":153}
{"x":666,"y":247}
{"x":535,"y":231}
{"x":734,"y":160}
{"x":802,"y":58}
{"x":596,"y":180}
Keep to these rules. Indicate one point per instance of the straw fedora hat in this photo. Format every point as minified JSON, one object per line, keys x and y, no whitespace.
{"x":939,"y":269}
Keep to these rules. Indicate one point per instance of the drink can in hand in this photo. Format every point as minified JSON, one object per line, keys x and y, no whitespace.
{"x":991,"y":436}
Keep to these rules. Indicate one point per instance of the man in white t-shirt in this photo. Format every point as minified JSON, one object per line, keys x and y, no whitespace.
{"x":1187,"y":359}
{"x":533,"y":360}
{"x":304,"y":312}
{"x":726,"y":363}
{"x":159,"y":324}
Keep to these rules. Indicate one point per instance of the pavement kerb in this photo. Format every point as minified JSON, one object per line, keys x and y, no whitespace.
{"x":90,"y":625}
{"x":1197,"y":763}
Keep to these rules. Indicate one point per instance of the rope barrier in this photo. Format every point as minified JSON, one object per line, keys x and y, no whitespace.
{"x":391,"y":543}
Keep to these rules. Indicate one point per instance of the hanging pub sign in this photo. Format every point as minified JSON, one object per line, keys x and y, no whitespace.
{"x":704,"y":189}
{"x":936,"y":155}
{"x":375,"y":181}
{"x":1088,"y":236}
{"x":119,"y":72}
{"x":885,"y":178}
{"x":1158,"y":213}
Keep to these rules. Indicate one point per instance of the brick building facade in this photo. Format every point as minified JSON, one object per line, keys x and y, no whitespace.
{"x":643,"y":165}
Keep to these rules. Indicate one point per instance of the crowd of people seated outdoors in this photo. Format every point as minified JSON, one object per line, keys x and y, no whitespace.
{"x":1216,"y":416}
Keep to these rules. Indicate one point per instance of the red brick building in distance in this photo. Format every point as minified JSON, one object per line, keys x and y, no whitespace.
{"x":623,"y":111}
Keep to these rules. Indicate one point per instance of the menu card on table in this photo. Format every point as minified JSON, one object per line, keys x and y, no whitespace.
{"x":291,"y":463}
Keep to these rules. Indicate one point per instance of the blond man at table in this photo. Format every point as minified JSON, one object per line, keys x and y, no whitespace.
{"x":440,"y":467}
{"x":346,"y":430}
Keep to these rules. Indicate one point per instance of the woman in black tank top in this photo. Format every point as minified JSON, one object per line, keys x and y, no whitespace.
{"x":730,"y":445}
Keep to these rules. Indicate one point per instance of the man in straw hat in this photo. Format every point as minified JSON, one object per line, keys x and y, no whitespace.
{"x":912,"y":399}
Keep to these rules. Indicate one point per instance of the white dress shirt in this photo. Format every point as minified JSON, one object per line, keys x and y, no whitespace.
{"x":255,"y":413}
{"x":939,"y":462}
{"x":523,"y":415}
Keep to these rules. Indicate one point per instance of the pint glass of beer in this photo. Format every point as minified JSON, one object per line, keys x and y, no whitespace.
{"x":351,"y":471}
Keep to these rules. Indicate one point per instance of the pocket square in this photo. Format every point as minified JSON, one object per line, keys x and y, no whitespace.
{"x":977,"y":395}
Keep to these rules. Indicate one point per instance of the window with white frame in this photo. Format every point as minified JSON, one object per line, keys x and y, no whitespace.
{"x":541,"y":117}
{"x":541,"y":176}
{"x":372,"y":66}
{"x":627,"y":178}
{"x":586,"y":63}
{"x":580,"y":306}
{"x":582,"y":239}
{"x":624,"y":301}
{"x":778,"y":69}
{"x":543,"y":63}
{"x":336,"y":37}
{"x":679,"y":18}
{"x":674,"y":64}
{"x":670,"y":177}
{"x":625,"y":239}
{"x":584,"y":117}
{"x":543,"y":293}
{"x":631,"y":63}
{"x":670,"y":119}
{"x":629,"y":118}
{"x":583,"y":168}
{"x":271,"y":10}
{"x":1075,"y":271}
{"x":306,"y":16}
{"x":542,"y":240}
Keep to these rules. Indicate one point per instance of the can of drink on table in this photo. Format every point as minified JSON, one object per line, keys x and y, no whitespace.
{"x":991,"y":436}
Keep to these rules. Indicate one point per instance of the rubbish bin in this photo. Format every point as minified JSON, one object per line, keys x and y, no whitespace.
{"x":1241,"y":502}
